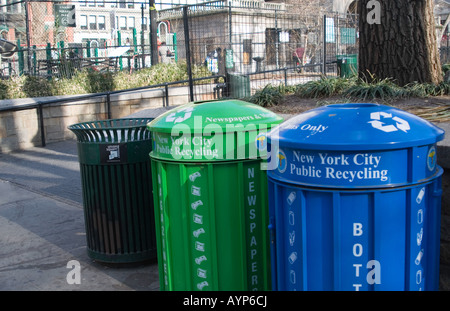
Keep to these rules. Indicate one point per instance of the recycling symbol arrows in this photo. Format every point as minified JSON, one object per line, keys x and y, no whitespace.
{"x":177,"y":119}
{"x":376,"y":122}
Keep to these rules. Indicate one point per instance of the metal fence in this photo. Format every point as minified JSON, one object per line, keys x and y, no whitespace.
{"x":444,"y":49}
{"x":255,"y":42}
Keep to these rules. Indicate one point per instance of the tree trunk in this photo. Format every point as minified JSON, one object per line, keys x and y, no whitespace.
{"x":401,"y":43}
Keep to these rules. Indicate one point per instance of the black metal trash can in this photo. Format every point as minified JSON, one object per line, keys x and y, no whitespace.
{"x":117,"y":189}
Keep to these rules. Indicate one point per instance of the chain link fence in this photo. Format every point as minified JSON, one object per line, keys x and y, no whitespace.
{"x":244,"y":44}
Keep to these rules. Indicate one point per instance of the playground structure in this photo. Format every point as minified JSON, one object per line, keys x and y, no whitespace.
{"x":7,"y":51}
{"x":62,"y":59}
{"x":244,"y":36}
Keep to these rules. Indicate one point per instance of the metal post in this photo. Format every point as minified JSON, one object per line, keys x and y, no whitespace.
{"x":34,"y":60}
{"x":61,"y":49}
{"x":230,"y":30}
{"x":48,"y":53}
{"x":175,"y":47}
{"x":27,"y":26}
{"x":135,"y":48}
{"x":41,"y":124}
{"x":88,"y":48}
{"x":188,"y":52}
{"x":119,"y":43}
{"x":20,"y":58}
{"x":142,"y":36}
{"x":108,"y":105}
{"x":153,"y":33}
{"x":285,"y":76}
{"x":166,"y":94}
{"x":277,"y":44}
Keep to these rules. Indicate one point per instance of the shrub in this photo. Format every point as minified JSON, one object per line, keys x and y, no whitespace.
{"x":325,"y":87}
{"x":14,"y":87}
{"x":428,"y":89}
{"x":383,"y":89}
{"x":36,"y":87}
{"x":267,"y":97}
{"x":3,"y":90}
{"x":91,"y":81}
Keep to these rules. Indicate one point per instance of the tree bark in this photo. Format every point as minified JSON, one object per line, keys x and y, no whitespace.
{"x":402,"y":46}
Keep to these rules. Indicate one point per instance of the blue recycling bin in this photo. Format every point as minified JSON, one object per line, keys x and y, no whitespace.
{"x":354,"y":200}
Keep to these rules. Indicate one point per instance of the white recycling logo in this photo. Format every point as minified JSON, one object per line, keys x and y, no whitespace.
{"x":376,"y":122}
{"x":177,"y":119}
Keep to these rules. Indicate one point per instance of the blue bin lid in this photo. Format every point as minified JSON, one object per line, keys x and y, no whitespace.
{"x":355,"y":145}
{"x":356,"y":126}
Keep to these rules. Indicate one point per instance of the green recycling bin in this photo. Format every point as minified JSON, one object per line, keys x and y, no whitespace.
{"x":210,"y":196}
{"x":347,"y":65}
{"x":117,"y":189}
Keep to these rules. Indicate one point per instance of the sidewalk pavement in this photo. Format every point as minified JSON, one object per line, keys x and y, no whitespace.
{"x":42,"y":227}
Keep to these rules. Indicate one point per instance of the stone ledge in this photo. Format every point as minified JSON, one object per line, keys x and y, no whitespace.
{"x":19,"y":129}
{"x":142,"y":94}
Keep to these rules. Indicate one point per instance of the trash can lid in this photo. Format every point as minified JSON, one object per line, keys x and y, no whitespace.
{"x":354,"y":146}
{"x":112,"y":130}
{"x":224,"y":113}
{"x":217,"y":130}
{"x":356,"y":126}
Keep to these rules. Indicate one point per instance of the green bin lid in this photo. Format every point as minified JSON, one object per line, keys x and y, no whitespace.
{"x":210,"y":130}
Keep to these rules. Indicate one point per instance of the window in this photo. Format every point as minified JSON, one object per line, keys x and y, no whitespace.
{"x":131,"y":22}
{"x":122,"y":23}
{"x":83,"y":22}
{"x":130,"y":4}
{"x":101,"y":22}
{"x":92,"y":22}
{"x":93,"y":44}
{"x":94,"y":47}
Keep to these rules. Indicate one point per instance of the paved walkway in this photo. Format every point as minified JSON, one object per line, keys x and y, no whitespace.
{"x":42,"y":227}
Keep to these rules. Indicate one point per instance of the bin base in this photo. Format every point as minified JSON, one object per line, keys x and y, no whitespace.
{"x":122,"y":258}
{"x":385,"y":239}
